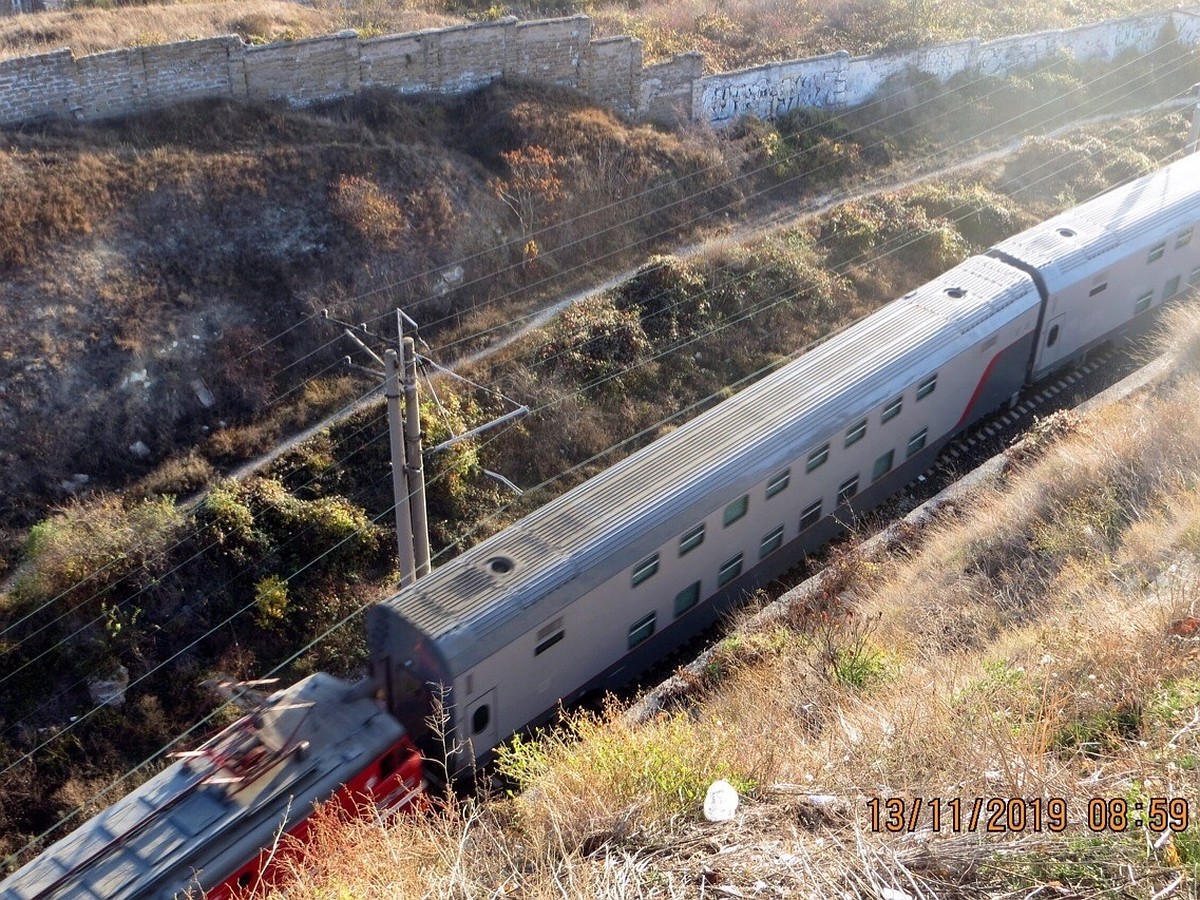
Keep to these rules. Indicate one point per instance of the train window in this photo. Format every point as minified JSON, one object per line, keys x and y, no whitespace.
{"x":811,"y":516}
{"x":641,"y":630}
{"x":480,"y":719}
{"x":770,"y":543}
{"x":1194,"y":278}
{"x":1143,"y":302}
{"x":1171,"y":288}
{"x":1052,"y":337}
{"x":730,"y":570}
{"x":549,"y":635}
{"x":883,"y":465}
{"x":927,"y":387}
{"x":736,"y":509}
{"x":1156,"y":253}
{"x":1098,"y":289}
{"x":687,"y":598}
{"x":645,"y":569}
{"x":778,"y":483}
{"x":1184,"y":238}
{"x":891,"y":410}
{"x":856,"y":433}
{"x":916,"y":443}
{"x":847,"y":489}
{"x":817,"y":458}
{"x":691,"y":539}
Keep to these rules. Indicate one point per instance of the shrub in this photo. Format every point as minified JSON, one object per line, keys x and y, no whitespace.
{"x":94,"y":544}
{"x":367,"y":210}
{"x":669,"y":297}
{"x":594,"y":340}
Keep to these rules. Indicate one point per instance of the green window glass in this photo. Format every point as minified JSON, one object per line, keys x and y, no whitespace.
{"x":641,"y":630}
{"x":736,"y":509}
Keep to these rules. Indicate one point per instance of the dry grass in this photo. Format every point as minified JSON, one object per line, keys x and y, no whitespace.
{"x":731,"y":33}
{"x":736,"y":33}
{"x":256,"y":21}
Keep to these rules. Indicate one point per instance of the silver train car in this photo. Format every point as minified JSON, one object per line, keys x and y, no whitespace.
{"x":585,"y":592}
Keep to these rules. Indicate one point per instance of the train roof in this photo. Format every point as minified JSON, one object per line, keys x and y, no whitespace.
{"x":1138,"y":212}
{"x":506,"y":585}
{"x":148,"y":844}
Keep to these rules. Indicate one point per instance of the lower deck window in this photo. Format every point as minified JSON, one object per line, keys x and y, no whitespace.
{"x":811,"y":515}
{"x":641,"y":630}
{"x":1171,"y":288}
{"x":848,"y":489}
{"x":770,"y":543}
{"x":687,"y":598}
{"x":1143,"y":302}
{"x":883,"y":465}
{"x":730,"y":570}
{"x":916,"y":443}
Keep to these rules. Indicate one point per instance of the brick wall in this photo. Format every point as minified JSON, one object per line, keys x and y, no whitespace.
{"x":838,"y":81}
{"x":557,"y":51}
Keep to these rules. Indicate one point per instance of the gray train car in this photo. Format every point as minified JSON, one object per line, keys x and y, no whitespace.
{"x":583,"y":593}
{"x":1103,"y":267}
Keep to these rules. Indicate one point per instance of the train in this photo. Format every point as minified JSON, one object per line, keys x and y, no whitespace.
{"x":587,"y":591}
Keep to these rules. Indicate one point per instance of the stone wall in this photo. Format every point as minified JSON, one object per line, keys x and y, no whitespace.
{"x":557,"y":51}
{"x":444,"y":60}
{"x":838,"y":81}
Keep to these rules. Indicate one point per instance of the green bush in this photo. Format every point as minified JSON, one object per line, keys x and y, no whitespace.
{"x":594,"y":340}
{"x":94,"y":545}
{"x":669,"y":298}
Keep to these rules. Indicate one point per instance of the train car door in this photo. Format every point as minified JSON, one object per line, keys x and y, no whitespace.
{"x":1054,"y":345}
{"x":482,"y":722}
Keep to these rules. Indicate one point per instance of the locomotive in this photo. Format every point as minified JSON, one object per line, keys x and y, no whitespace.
{"x":582,"y":594}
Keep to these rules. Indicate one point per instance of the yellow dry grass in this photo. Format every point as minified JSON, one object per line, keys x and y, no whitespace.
{"x":95,"y":30}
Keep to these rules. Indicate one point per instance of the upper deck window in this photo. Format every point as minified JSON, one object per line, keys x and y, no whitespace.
{"x":1156,"y":253}
{"x":778,"y":483}
{"x":1184,"y":238}
{"x":645,"y":569}
{"x":891,"y":410}
{"x":927,"y":387}
{"x":736,"y":509}
{"x":817,"y":458}
{"x":691,"y":539}
{"x":856,"y":433}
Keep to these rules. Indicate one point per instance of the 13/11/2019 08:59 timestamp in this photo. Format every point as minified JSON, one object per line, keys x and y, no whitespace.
{"x":1009,"y":814}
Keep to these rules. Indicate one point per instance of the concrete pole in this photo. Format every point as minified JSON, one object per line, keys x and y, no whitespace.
{"x":404,"y":533}
{"x":415,"y":469}
{"x":1194,"y":135}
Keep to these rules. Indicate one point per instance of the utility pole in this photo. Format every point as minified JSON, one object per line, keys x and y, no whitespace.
{"x":414,"y":468}
{"x":403,"y":506}
{"x":404,"y":433}
{"x":1194,"y":137}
